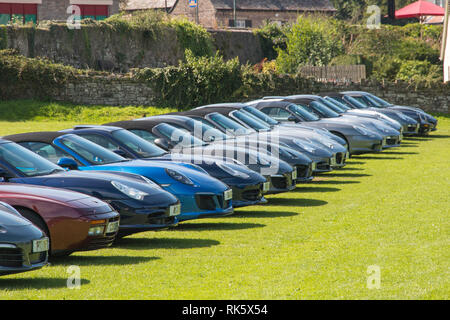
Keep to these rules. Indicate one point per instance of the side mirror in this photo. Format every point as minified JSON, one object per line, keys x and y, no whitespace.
{"x":162,"y":143}
{"x":68,"y":163}
{"x":292,"y":119}
{"x":121,"y":153}
{"x":4,"y":175}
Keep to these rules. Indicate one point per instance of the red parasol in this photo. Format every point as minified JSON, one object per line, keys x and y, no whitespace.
{"x":419,"y":9}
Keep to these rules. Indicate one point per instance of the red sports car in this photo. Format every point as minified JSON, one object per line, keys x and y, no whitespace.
{"x":73,"y":221}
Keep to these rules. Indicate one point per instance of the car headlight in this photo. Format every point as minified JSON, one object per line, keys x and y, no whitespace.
{"x":179,"y":177}
{"x":3,"y":230}
{"x":231,"y":171}
{"x":129,"y":191}
{"x":303,"y":146}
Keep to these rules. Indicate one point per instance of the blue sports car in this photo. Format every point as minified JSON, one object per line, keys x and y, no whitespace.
{"x":200,"y":195}
{"x":248,"y":186}
{"x":143,"y":206}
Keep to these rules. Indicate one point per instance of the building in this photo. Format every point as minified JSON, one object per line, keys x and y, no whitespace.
{"x":39,"y":10}
{"x":248,"y":13}
{"x":445,"y":52}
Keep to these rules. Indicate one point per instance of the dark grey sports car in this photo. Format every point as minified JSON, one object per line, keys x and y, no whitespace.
{"x":23,"y":246}
{"x":328,"y":110}
{"x":359,"y":139}
{"x":427,"y":122}
{"x":408,"y":124}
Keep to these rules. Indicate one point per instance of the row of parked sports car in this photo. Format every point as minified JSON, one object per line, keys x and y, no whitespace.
{"x":83,"y":188}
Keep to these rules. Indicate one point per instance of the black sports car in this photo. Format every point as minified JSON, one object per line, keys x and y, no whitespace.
{"x":280,"y":174}
{"x":23,"y":246}
{"x":248,"y":186}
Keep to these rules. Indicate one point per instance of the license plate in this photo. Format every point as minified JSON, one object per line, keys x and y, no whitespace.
{"x":383,"y":143}
{"x":333,"y":161}
{"x":294,"y":175}
{"x":228,"y":195}
{"x":314,"y":166}
{"x":112,"y":227}
{"x":40,"y":245}
{"x":347,"y":155}
{"x":266,"y":186}
{"x":175,"y":210}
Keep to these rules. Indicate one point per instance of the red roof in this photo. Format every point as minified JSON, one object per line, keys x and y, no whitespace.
{"x":419,"y":9}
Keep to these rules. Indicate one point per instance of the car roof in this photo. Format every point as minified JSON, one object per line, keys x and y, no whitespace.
{"x":331,"y":94}
{"x":355,"y":92}
{"x":95,"y":127}
{"x":303,"y":96}
{"x":236,"y":105}
{"x":146,"y":125}
{"x":280,"y":103}
{"x":173,"y":116}
{"x":44,"y":136}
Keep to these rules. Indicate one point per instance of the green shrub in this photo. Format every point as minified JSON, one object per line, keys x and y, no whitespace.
{"x":420,"y":71}
{"x":311,"y":40}
{"x":272,"y":38}
{"x":197,"y":81}
{"x":386,"y":68}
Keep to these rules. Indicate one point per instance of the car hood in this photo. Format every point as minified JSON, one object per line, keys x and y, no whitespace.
{"x":60,"y":195}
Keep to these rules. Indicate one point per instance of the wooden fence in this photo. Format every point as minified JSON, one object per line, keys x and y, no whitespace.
{"x":337,"y":74}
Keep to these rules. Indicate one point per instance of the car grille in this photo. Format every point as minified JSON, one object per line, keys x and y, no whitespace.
{"x":340,"y":158}
{"x":304,"y":171}
{"x":323,"y":166}
{"x":279,"y":182}
{"x":11,"y":257}
{"x":209,"y":202}
{"x":391,"y":141}
{"x":252,"y":195}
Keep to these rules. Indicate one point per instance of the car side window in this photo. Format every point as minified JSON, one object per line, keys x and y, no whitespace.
{"x":278,"y":113}
{"x":46,"y":151}
{"x":100,"y":140}
{"x":144,"y":135}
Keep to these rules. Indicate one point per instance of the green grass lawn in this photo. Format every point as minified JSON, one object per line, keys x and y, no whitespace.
{"x":390,"y":210}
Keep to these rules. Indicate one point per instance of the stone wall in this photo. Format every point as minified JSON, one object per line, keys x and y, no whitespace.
{"x":105,"y":49}
{"x":123,"y":91}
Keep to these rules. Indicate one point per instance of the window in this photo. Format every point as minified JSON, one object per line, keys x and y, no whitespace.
{"x":240,"y":23}
{"x":144,"y":135}
{"x":46,"y":151}
{"x":100,"y":140}
{"x":277,"y":113}
{"x":18,"y":12}
{"x":93,"y":12}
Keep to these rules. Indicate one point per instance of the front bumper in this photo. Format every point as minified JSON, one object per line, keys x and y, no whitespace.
{"x":205,"y":205}
{"x":135,"y":220}
{"x":21,"y":259}
{"x":392,"y":141}
{"x":248,"y":195}
{"x":282,"y":183}
{"x":365,"y":144}
{"x":305,"y":172}
{"x":425,"y":128}
{"x":410,"y":129}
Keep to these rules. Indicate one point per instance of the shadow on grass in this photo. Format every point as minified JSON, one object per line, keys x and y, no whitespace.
{"x":345,"y":175}
{"x":164,"y":243}
{"x":439,"y":136}
{"x":221,"y":226}
{"x":319,"y":182}
{"x":349,"y":169}
{"x":36,"y":283}
{"x":354,"y":162}
{"x":290,"y":202}
{"x":100,"y":260}
{"x":263,"y":214}
{"x":398,"y":152}
{"x":381,"y":158}
{"x":315,"y":189}
{"x":418,"y":139}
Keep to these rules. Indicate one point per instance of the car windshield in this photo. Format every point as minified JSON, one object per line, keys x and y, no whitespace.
{"x":378,"y":101}
{"x":304,"y":112}
{"x":338,"y":103}
{"x":91,"y":152}
{"x":142,"y":147}
{"x":323,"y":110}
{"x":356,"y":102}
{"x":206,"y":132}
{"x":179,"y":137}
{"x":25,"y":161}
{"x":230,"y":125}
{"x":332,"y":106}
{"x":250,"y":120}
{"x":261,"y":116}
